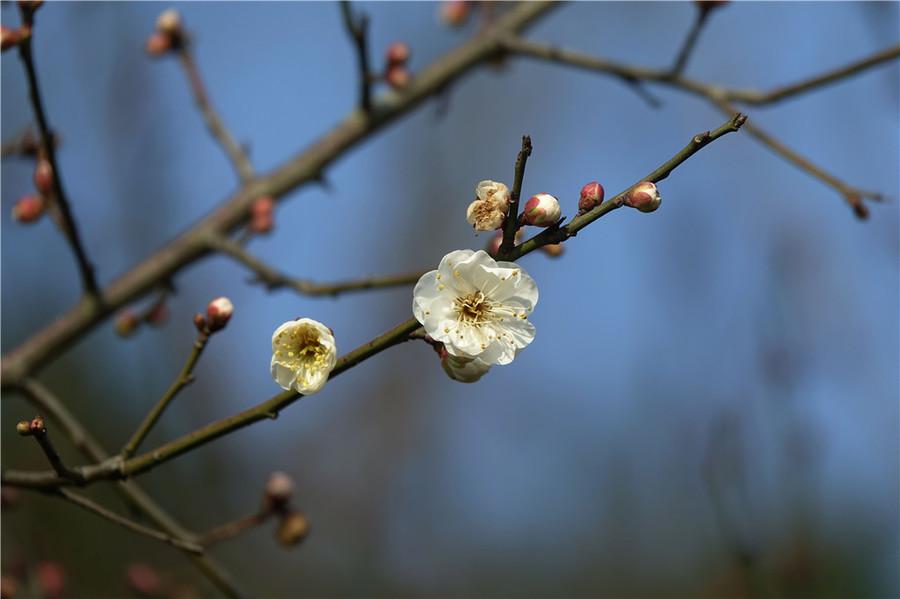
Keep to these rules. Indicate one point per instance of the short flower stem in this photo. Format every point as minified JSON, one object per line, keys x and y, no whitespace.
{"x":184,"y":378}
{"x":229,"y":530}
{"x":56,"y":462}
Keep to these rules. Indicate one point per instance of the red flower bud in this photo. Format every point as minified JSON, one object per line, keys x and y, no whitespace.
{"x":262,"y":206}
{"x":218,"y":313}
{"x":199,"y":322}
{"x":542,"y":210}
{"x":51,"y":579}
{"x":143,"y":579}
{"x":43,"y":176}
{"x":9,"y":38}
{"x":29,"y":208}
{"x":397,"y":55}
{"x":644,"y":196}
{"x":591,"y":197}
{"x":455,"y":12}
{"x":158,"y":44}
{"x":397,"y":77}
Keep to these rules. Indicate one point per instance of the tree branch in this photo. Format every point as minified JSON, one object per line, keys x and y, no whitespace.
{"x":184,"y":378}
{"x":273,"y":279}
{"x":307,"y":167}
{"x":130,"y":491}
{"x":357,"y":29}
{"x":229,"y":530}
{"x":48,"y":147}
{"x":217,"y":129}
{"x":35,"y":428}
{"x":89,"y":505}
{"x":701,"y":18}
{"x":270,"y":409}
{"x":511,"y":224}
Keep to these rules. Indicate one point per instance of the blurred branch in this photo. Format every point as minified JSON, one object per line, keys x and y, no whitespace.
{"x":137,"y":499}
{"x":35,"y":428}
{"x":217,"y":129}
{"x":853,"y":195}
{"x":721,"y":98}
{"x":48,"y":148}
{"x":511,"y":224}
{"x":702,"y":15}
{"x":116,"y":468}
{"x":24,"y":145}
{"x":229,"y":530}
{"x":307,"y":167}
{"x":89,"y":505}
{"x":357,"y":29}
{"x":273,"y":279}
{"x":184,"y":378}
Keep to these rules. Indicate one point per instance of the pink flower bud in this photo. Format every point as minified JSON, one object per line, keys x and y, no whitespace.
{"x":9,"y":38}
{"x":218,"y":313}
{"x":262,"y":206}
{"x":542,"y":210}
{"x":143,"y":579}
{"x":126,"y":323}
{"x":199,"y":322}
{"x":29,"y":208}
{"x":279,"y":490}
{"x":455,"y":12}
{"x":644,"y":196}
{"x":397,"y":77}
{"x":169,"y":22}
{"x":493,"y":246}
{"x":591,"y":197}
{"x":262,"y":224}
{"x":51,"y":579}
{"x":158,"y":44}
{"x":397,"y":55}
{"x":294,"y":528}
{"x":43,"y":176}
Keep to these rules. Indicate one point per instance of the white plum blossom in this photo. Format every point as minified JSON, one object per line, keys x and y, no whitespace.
{"x":463,"y":369}
{"x":490,"y":207}
{"x":477,"y":307}
{"x":303,"y":355}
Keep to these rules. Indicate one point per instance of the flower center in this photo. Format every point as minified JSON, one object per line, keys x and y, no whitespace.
{"x":474,"y":309}
{"x":303,"y":349}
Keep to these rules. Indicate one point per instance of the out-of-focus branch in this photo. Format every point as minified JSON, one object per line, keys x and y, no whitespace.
{"x":511,"y":224}
{"x":217,"y":129}
{"x":35,"y":428}
{"x":184,"y":378}
{"x":306,"y":167}
{"x":116,"y":468}
{"x":48,"y":148}
{"x":229,"y":530}
{"x":357,"y":29}
{"x":137,"y":499}
{"x":702,"y":14}
{"x":721,"y":97}
{"x":274,"y":279}
{"x":852,"y":195}
{"x":91,"y":506}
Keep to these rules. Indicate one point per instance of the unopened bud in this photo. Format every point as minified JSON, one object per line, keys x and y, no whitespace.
{"x":644,"y":196}
{"x":293,"y":528}
{"x":143,"y":579}
{"x":199,"y":322}
{"x":554,"y":250}
{"x":24,"y":428}
{"x":126,"y":323}
{"x":262,"y":206}
{"x":43,"y":176}
{"x":455,"y":12}
{"x":157,"y":315}
{"x":262,"y":224}
{"x":591,"y":197}
{"x":158,"y":44}
{"x":397,"y":54}
{"x":493,"y":246}
{"x":29,"y":209}
{"x":463,"y":370}
{"x":169,"y":22}
{"x":397,"y":77}
{"x":51,"y":579}
{"x":542,"y":210}
{"x":279,"y":489}
{"x":8,"y":37}
{"x":218,"y":313}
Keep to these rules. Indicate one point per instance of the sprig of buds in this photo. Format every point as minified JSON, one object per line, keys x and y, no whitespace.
{"x":169,"y":35}
{"x":396,"y":73}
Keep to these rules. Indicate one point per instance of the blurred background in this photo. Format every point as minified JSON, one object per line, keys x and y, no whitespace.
{"x":710,"y":407}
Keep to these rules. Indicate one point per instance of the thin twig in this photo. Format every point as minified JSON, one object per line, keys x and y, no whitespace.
{"x":39,"y":432}
{"x":270,"y":409}
{"x":229,"y":530}
{"x":852,"y":195}
{"x":702,"y":15}
{"x":184,"y":378}
{"x":217,"y":129}
{"x":273,"y":279}
{"x":131,"y":492}
{"x":511,"y":224}
{"x":48,"y":147}
{"x":357,"y":29}
{"x":89,"y":505}
{"x":307,"y":167}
